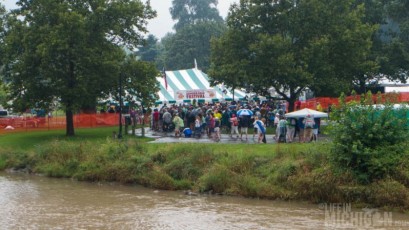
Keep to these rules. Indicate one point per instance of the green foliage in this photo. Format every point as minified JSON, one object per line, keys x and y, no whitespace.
{"x":183,"y":163}
{"x":218,"y":179}
{"x":17,"y":159}
{"x":2,"y":16}
{"x":69,"y":50}
{"x":318,"y":186}
{"x":3,"y":94}
{"x":369,"y":140}
{"x":138,"y":82}
{"x":390,"y":44}
{"x":148,"y":51}
{"x":197,"y":23}
{"x":191,"y":12}
{"x":292,"y":45}
{"x":189,"y":43}
{"x":389,"y":193}
{"x":282,"y":172}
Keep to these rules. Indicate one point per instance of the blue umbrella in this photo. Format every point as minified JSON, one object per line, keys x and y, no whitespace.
{"x":244,"y":112}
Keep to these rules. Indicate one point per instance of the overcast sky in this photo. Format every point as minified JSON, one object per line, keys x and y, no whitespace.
{"x":163,"y":23}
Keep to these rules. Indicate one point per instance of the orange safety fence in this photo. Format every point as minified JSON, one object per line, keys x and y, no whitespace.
{"x":402,"y":97}
{"x":30,"y":123}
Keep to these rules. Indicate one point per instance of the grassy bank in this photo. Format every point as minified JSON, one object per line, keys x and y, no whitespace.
{"x":281,"y":171}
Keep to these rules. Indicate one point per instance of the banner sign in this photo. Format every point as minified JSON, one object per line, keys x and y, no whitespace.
{"x":194,"y":94}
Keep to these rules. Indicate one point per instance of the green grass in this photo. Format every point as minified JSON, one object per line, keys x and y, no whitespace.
{"x":28,"y":140}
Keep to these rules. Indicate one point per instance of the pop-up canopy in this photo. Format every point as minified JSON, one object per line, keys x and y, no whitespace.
{"x":304,"y":112}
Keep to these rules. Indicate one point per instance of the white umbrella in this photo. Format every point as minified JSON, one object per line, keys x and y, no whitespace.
{"x":305,"y":112}
{"x":244,"y":112}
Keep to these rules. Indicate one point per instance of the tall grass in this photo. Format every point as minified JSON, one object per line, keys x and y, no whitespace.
{"x":295,"y":171}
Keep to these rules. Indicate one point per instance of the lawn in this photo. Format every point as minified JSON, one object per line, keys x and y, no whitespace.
{"x":27,"y":140}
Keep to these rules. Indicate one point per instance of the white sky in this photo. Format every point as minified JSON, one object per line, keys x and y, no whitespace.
{"x":163,"y":23}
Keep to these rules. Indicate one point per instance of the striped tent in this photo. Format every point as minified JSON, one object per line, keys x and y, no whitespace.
{"x":191,"y":79}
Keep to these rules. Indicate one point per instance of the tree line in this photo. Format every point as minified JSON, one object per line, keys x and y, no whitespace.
{"x":289,"y":46}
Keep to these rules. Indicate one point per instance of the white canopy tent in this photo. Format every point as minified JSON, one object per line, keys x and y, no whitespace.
{"x":304,"y":112}
{"x":189,"y":80}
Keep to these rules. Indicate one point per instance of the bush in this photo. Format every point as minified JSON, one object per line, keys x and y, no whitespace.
{"x":389,"y":193}
{"x":369,"y":140}
{"x":218,"y":179}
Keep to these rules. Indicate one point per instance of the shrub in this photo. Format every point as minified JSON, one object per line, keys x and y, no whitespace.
{"x":368,"y":139}
{"x":248,"y":186}
{"x":389,"y":193}
{"x":188,"y":162}
{"x":317,"y":186}
{"x":218,"y":179}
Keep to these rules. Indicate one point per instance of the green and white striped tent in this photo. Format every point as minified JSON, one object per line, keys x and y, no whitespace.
{"x":192,"y":79}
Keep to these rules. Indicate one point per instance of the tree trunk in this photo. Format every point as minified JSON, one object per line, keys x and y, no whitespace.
{"x":69,"y":116}
{"x":143,"y":123}
{"x":233,"y":88}
{"x":362,"y":87}
{"x":291,"y":102}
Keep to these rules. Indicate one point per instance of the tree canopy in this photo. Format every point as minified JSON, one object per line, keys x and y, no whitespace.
{"x":190,"y":43}
{"x":388,"y":48}
{"x":197,"y":22}
{"x":148,"y":51}
{"x":293,"y":45}
{"x":138,"y":85}
{"x":2,"y":19}
{"x":69,"y":50}
{"x":188,"y":12}
{"x":396,"y":63}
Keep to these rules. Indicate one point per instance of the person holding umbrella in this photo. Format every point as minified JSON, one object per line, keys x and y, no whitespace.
{"x":244,"y":121}
{"x":244,"y":112}
{"x":261,"y":130}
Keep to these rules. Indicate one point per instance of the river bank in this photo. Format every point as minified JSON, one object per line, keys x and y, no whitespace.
{"x":284,"y":172}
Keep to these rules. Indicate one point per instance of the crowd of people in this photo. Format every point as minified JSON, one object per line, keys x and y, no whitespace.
{"x":212,"y":119}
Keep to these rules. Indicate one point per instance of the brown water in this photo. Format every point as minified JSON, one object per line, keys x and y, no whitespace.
{"x":33,"y":202}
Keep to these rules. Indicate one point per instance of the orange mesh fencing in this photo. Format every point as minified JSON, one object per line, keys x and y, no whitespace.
{"x":326,"y":101}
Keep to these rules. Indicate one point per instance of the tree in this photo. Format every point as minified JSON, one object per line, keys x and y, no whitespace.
{"x":69,"y":50}
{"x":190,"y":43}
{"x":2,"y":91}
{"x":229,"y":59}
{"x":316,"y":44}
{"x":396,"y":63}
{"x":387,"y":51}
{"x":2,"y":19}
{"x":188,"y":12}
{"x":198,"y":22}
{"x":139,"y":81}
{"x":148,"y":51}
